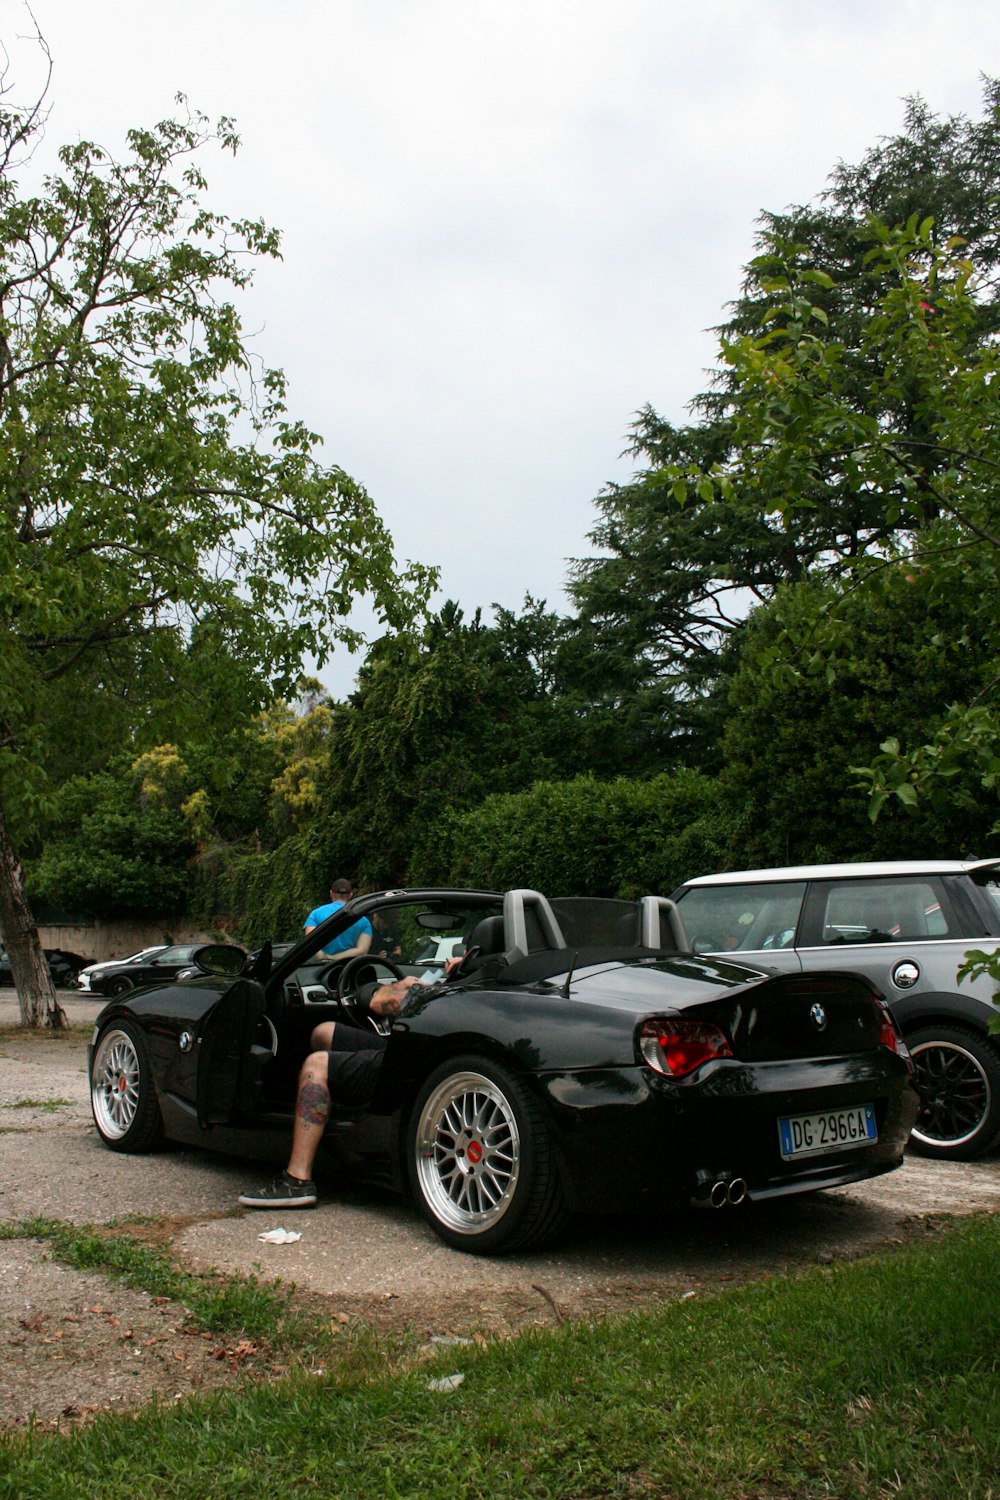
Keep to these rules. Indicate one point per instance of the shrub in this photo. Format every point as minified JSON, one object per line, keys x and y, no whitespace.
{"x":581,"y":837}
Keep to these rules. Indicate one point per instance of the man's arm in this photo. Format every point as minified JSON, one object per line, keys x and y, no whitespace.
{"x":362,"y":945}
{"x":319,"y":955}
{"x":386,"y":999}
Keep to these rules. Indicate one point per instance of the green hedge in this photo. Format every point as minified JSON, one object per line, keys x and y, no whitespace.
{"x":582,"y":837}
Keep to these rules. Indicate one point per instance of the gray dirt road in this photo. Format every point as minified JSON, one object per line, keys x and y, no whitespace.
{"x":362,"y":1254}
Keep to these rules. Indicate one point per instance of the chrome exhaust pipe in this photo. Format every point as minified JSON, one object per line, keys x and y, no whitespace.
{"x":704,"y":1184}
{"x":717,"y":1190}
{"x":709,"y":1190}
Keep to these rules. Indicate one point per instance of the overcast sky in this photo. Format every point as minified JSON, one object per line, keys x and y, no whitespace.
{"x":506,"y":226}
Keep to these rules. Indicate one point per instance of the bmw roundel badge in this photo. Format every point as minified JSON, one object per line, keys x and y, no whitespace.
{"x":185,"y":1041}
{"x":818,"y":1017}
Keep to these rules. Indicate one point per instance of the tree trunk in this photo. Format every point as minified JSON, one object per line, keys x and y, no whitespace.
{"x":35,"y":991}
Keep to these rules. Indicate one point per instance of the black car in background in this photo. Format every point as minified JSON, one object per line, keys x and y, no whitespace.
{"x":579,"y":1058}
{"x":85,"y":977}
{"x":154,"y":965}
{"x":63,"y":966}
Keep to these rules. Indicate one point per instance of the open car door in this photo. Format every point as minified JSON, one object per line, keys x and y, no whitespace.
{"x":230,"y":1058}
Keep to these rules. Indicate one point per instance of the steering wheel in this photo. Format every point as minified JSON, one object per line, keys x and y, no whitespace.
{"x":350,"y":975}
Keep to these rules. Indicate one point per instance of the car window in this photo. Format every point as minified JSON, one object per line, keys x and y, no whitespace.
{"x":742,"y":918}
{"x":882,"y":911}
{"x":991,"y":890}
{"x":181,"y":955}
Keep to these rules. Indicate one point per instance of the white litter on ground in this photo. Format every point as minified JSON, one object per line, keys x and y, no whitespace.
{"x":445,"y":1384}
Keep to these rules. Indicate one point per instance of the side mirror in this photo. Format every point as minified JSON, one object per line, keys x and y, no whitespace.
{"x":220,"y":958}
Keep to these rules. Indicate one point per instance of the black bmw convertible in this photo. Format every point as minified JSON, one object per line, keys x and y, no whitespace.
{"x":581,"y":1057}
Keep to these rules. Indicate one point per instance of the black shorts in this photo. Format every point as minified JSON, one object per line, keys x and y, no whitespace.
{"x":353,"y":1065}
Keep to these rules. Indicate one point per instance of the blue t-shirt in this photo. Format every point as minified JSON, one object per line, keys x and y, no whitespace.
{"x":346,"y":939}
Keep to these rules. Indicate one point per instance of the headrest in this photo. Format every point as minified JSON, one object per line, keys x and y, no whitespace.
{"x":628,"y":928}
{"x":487,"y":936}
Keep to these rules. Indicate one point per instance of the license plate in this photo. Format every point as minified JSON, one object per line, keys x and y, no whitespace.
{"x":833,"y":1130}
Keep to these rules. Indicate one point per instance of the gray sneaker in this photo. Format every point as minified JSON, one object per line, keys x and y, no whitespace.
{"x":283,"y":1192}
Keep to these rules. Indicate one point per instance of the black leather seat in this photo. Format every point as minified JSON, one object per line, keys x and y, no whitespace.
{"x":487,"y":936}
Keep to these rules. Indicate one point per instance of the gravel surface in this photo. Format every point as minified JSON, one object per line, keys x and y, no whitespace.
{"x":75,"y":1343}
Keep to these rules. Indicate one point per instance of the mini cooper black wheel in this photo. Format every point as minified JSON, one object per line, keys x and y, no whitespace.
{"x":480,"y":1162}
{"x":958,"y":1075}
{"x":122,"y":1096}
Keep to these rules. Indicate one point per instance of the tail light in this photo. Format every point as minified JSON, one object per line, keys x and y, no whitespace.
{"x":676,"y":1048}
{"x":889,"y":1034}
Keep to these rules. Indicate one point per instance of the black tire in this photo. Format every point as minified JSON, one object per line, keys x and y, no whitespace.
{"x":122,"y":985}
{"x":958,"y":1075}
{"x":122,"y":1097}
{"x":479,"y":1160}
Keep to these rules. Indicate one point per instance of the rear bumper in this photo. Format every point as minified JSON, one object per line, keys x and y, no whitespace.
{"x":633,"y":1141}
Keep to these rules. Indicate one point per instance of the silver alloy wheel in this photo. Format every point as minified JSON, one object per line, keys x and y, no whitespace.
{"x":468,"y":1153}
{"x":114,"y":1088}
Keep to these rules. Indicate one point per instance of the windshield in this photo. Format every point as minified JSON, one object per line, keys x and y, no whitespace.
{"x":751,"y":917}
{"x":423,"y":932}
{"x":411,"y":934}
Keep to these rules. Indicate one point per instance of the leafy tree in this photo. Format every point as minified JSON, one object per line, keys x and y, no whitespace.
{"x":700,"y":534}
{"x":442,"y":719}
{"x":158,"y":505}
{"x":945,"y":465}
{"x":302,"y":748}
{"x":439,"y":720}
{"x":126,"y":837}
{"x":824,"y":673}
{"x":932,"y":477}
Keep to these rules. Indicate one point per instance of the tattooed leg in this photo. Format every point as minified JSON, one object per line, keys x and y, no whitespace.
{"x":312,"y":1110}
{"x":313,"y":1104}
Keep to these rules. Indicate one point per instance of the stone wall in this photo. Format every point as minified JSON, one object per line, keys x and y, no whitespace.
{"x":99,"y":940}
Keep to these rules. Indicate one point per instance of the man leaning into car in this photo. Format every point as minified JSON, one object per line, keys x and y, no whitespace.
{"x":344,"y":1068}
{"x":351,"y":943}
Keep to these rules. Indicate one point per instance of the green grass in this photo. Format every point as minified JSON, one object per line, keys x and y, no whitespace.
{"x":49,"y":1106}
{"x":225,"y":1304}
{"x":869,"y":1378}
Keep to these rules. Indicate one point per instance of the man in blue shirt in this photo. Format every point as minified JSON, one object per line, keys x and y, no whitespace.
{"x":352,"y":943}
